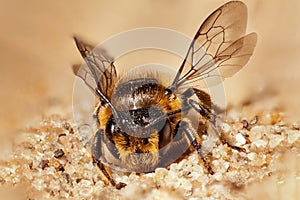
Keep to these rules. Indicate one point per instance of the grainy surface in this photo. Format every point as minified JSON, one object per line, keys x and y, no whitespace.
{"x":50,"y":162}
{"x":36,"y":57}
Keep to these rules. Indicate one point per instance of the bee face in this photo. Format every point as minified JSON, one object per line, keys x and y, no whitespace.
{"x":144,"y":124}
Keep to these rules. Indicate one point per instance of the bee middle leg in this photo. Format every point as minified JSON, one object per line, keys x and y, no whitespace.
{"x":97,"y":153}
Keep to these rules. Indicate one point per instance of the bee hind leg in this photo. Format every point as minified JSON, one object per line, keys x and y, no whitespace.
{"x":224,"y":139}
{"x":96,"y":154}
{"x":205,"y":112}
{"x":191,"y":134}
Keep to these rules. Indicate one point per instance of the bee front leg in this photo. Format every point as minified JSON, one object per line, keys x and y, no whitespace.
{"x":190,"y":133}
{"x":97,"y":153}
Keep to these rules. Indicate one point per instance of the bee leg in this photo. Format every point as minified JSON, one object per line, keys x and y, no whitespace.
{"x":224,"y":140}
{"x":97,"y":153}
{"x":191,"y":134}
{"x":203,"y":105}
{"x":212,"y":117}
{"x":202,"y":110}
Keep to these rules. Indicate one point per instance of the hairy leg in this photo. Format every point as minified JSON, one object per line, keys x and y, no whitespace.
{"x":97,"y":153}
{"x":187,"y":130}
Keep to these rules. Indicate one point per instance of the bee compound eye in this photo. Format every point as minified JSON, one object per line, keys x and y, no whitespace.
{"x":165,"y":135}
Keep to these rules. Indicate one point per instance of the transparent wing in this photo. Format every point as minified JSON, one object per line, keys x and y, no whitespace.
{"x":220,"y":43}
{"x":98,"y":72}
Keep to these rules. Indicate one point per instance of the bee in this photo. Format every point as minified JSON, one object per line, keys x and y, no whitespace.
{"x":142,"y":124}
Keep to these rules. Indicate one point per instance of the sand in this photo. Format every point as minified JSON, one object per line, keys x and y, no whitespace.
{"x":49,"y":161}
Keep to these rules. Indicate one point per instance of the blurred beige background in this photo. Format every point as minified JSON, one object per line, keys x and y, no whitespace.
{"x":37,"y":51}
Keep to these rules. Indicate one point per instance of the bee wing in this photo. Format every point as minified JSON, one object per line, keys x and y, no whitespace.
{"x":98,"y":72}
{"x":219,"y":44}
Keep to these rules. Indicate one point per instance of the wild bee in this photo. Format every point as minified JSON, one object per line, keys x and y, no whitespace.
{"x":142,"y":123}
